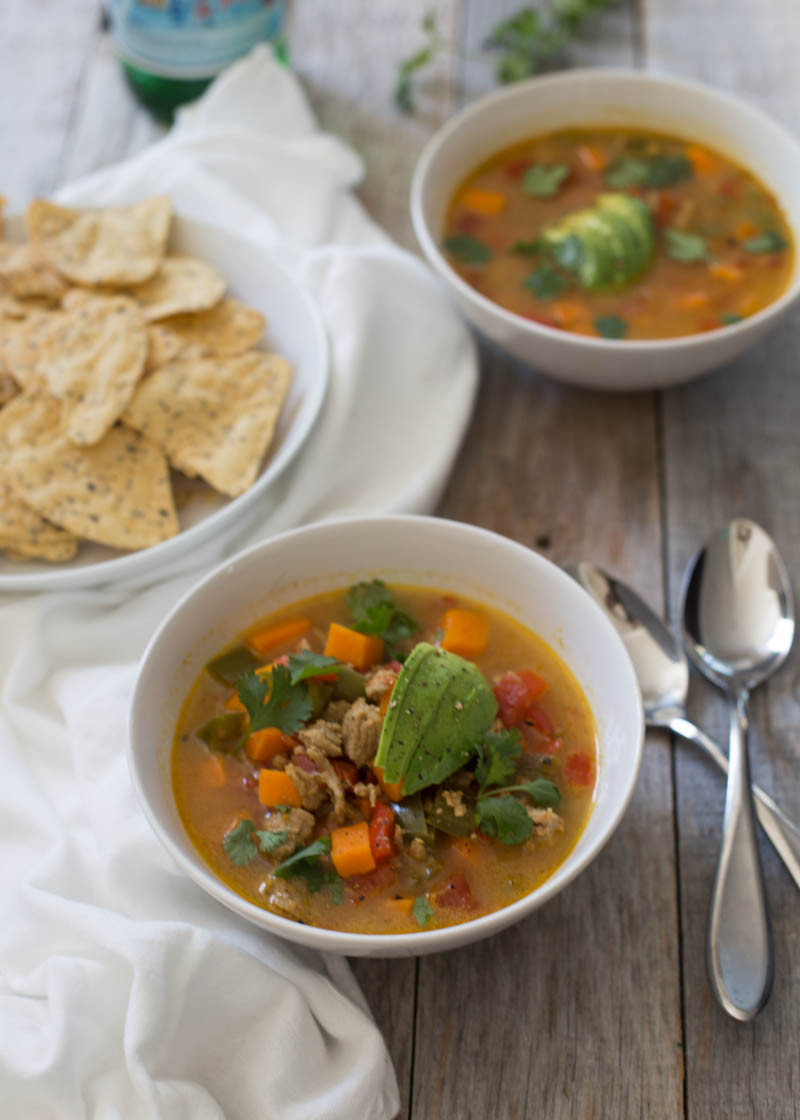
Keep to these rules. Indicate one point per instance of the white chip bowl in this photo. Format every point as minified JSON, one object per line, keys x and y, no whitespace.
{"x":295,"y":330}
{"x":426,"y":552}
{"x":605,"y":98}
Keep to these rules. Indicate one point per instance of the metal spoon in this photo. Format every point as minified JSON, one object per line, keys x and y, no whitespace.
{"x":738,"y":627}
{"x":663,"y":675}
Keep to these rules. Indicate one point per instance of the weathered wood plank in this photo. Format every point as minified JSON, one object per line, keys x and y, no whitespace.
{"x":730,"y":442}
{"x":44,"y":49}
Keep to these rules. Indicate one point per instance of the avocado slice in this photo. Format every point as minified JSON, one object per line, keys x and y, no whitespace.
{"x":443,"y":704}
{"x":616,"y":238}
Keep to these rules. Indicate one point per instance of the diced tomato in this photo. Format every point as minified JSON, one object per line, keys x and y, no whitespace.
{"x":347,"y":773}
{"x":515,"y":693}
{"x":662,"y":204}
{"x":579,"y":770}
{"x":395,"y":666}
{"x":541,"y":721}
{"x":456,"y":893}
{"x":303,"y":762}
{"x":373,"y":882}
{"x":517,"y":168}
{"x":467,"y":223}
{"x":381,"y":833}
{"x":544,"y":320}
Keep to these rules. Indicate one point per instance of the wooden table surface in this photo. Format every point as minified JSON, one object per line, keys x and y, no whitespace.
{"x":597,"y":1006}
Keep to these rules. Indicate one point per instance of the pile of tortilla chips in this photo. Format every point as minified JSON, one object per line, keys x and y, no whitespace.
{"x":119,"y":366}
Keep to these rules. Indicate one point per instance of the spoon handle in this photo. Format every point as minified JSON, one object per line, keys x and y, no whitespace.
{"x":740,"y":962}
{"x":784,"y":835}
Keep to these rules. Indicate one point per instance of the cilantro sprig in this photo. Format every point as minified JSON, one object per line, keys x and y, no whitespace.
{"x":497,"y":758}
{"x":422,"y":911}
{"x":374,"y":611}
{"x":306,"y":665}
{"x":242,"y":843}
{"x":306,"y":865}
{"x":498,"y":814}
{"x":273,"y":700}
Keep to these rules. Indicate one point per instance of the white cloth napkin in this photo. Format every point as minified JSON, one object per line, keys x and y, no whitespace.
{"x":124,"y":990}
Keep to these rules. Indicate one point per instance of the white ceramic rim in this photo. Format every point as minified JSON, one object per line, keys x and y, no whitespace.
{"x":398,"y":944}
{"x":159,"y":555}
{"x":643,"y":347}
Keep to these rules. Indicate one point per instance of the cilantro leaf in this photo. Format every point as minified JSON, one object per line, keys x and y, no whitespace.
{"x":269,"y":840}
{"x":657,"y":171}
{"x":422,"y":911}
{"x":504,"y":818}
{"x":497,"y":758}
{"x":408,"y":68}
{"x":335,"y":888}
{"x":287,"y":706}
{"x":765,"y":243}
{"x":610,"y":326}
{"x":307,"y":664}
{"x":239,"y":845}
{"x":545,"y":794}
{"x":526,"y":248}
{"x":543,"y":181}
{"x":686,"y":247}
{"x":305,"y":865}
{"x":374,"y":611}
{"x":544,"y":282}
{"x":468,"y":249}
{"x":728,"y":318}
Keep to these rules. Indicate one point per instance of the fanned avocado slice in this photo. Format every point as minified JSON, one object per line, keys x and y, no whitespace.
{"x":616,"y":239}
{"x":441,"y":705}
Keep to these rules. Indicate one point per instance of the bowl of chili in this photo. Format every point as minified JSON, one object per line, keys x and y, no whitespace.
{"x":614,"y":229}
{"x":434,"y":832}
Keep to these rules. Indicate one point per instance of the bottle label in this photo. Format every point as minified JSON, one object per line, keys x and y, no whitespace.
{"x":192,"y":38}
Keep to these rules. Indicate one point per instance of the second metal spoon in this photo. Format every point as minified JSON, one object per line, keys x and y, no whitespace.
{"x":738,"y":627}
{"x":663,"y":674}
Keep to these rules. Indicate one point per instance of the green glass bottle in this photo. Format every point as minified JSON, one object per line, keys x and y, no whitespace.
{"x":170,"y":50}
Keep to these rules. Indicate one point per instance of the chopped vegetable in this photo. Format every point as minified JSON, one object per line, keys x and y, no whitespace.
{"x":505,"y":818}
{"x":610,"y":326}
{"x":349,"y":684}
{"x":410,"y":815}
{"x":228,"y":667}
{"x":214,"y":771}
{"x":281,"y":634}
{"x":403,"y":907}
{"x":381,"y":833}
{"x":465,"y":632}
{"x":263,"y":745}
{"x":686,"y":247}
{"x":730,"y":317}
{"x":497,"y":758}
{"x":223,"y":733}
{"x":305,"y":865}
{"x":375,"y":612}
{"x":657,"y":171}
{"x":456,"y":893}
{"x":579,"y":770}
{"x":422,"y":911}
{"x":307,"y":665}
{"x":526,"y":248}
{"x":239,"y":845}
{"x":515,"y":693}
{"x":351,"y":851}
{"x":274,"y":703}
{"x":362,"y":651}
{"x":545,"y":282}
{"x":542,"y":181}
{"x":393,"y":790}
{"x":487,"y":203}
{"x":467,"y":248}
{"x":766,"y":243}
{"x":275,"y":788}
{"x":443,"y":816}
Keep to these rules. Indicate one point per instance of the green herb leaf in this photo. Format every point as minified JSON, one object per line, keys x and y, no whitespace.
{"x":287,"y":707}
{"x":504,"y":818}
{"x":545,"y":282}
{"x":306,"y":665}
{"x":239,"y":845}
{"x":269,"y":841}
{"x":610,"y":326}
{"x":543,"y":181}
{"x":532,"y":39}
{"x":728,"y":318}
{"x":467,"y":248}
{"x":545,"y":794}
{"x":526,"y":248}
{"x":409,"y":67}
{"x":335,"y":888}
{"x":653,"y":173}
{"x":422,"y":911}
{"x":374,"y":611}
{"x":766,"y":243}
{"x":497,"y":758}
{"x":305,"y":865}
{"x":686,"y":247}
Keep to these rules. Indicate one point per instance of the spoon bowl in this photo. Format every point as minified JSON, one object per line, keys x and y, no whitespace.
{"x":738,"y":627}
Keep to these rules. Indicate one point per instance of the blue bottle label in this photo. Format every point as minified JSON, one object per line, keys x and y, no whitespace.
{"x":192,"y":38}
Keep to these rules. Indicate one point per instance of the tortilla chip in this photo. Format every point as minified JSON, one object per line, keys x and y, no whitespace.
{"x":119,"y":245}
{"x":92,"y":358}
{"x":229,"y":328}
{"x":116,"y":493}
{"x":181,"y":284}
{"x":26,"y":274}
{"x":213,"y":417}
{"x":27,"y":536}
{"x":21,"y":347}
{"x":162,"y":347}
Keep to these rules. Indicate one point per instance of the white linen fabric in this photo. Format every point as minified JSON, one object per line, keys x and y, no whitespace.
{"x":124,"y":990}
